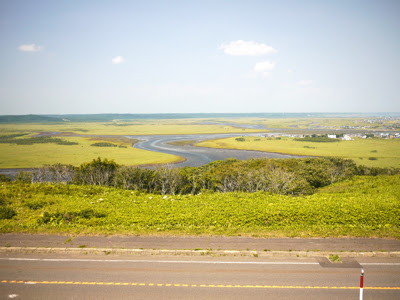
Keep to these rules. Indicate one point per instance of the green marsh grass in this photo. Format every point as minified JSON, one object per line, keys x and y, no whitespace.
{"x":31,"y":156}
{"x":360,"y":207}
{"x":152,"y":127}
{"x":36,"y":155}
{"x":386,"y":151}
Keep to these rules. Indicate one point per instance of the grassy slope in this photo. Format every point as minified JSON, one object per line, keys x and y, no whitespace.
{"x":361,"y":207}
{"x":387,"y":152}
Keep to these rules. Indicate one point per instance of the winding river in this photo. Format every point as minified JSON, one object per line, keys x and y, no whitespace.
{"x":193,"y":156}
{"x":198,"y":156}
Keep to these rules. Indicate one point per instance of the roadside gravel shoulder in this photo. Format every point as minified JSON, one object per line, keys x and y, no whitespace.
{"x":213,"y":245}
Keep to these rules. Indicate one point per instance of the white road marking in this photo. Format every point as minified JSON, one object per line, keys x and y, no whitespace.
{"x":380,"y":264}
{"x":159,"y":261}
{"x":181,"y":261}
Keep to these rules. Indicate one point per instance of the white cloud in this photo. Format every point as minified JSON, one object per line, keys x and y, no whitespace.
{"x":305,"y":82}
{"x":118,"y":60}
{"x":249,"y":48}
{"x":264,"y":66}
{"x":30,"y":48}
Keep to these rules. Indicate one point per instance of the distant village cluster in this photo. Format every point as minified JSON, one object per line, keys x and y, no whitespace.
{"x":345,"y":137}
{"x":388,"y":123}
{"x":379,"y":128}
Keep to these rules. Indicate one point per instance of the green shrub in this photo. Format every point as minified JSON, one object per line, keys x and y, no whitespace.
{"x":69,"y":216}
{"x":3,"y":201}
{"x":97,"y":172}
{"x":13,"y":139}
{"x":4,"y":178}
{"x":35,"y":205}
{"x":103,"y":144}
{"x":316,"y":140}
{"x":7,"y":213}
{"x":24,"y":177}
{"x":90,"y":213}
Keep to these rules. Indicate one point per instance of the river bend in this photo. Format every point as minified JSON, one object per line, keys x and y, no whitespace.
{"x":198,"y":156}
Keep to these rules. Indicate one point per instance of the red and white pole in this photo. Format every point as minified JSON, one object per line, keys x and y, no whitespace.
{"x":362,"y":284}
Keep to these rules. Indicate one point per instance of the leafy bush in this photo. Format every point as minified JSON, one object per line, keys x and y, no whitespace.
{"x":133,"y":178}
{"x":320,"y":172}
{"x":54,"y":173}
{"x":97,"y":172}
{"x":7,"y":213}
{"x":10,"y":136}
{"x":69,"y":217}
{"x":316,"y":140}
{"x":3,"y":201}
{"x":240,"y":139}
{"x":24,"y":177}
{"x":103,"y":144}
{"x":90,"y":213}
{"x":14,"y":139}
{"x":4,"y":178}
{"x":35,"y":205}
{"x":281,"y":176}
{"x":64,"y":142}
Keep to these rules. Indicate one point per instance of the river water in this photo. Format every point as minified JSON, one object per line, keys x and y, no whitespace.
{"x":198,"y":156}
{"x":193,"y":156}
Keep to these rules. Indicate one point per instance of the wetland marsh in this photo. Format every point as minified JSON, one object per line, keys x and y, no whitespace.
{"x":257,"y":197}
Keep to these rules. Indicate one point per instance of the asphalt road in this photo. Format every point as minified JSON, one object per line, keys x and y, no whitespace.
{"x":198,"y":156}
{"x":200,"y":242}
{"x":55,"y":276}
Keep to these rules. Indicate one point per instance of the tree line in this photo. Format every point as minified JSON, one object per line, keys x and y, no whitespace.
{"x":280,"y":176}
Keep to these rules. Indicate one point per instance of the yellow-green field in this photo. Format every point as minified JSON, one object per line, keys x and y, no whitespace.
{"x":29,"y":156}
{"x":126,"y":128}
{"x":36,"y":155}
{"x":369,"y":152}
{"x":363,"y":151}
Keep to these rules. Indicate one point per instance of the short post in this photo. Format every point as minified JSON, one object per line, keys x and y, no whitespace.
{"x":362,"y":284}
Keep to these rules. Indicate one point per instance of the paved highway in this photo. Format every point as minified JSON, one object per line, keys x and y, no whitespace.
{"x":55,"y":276}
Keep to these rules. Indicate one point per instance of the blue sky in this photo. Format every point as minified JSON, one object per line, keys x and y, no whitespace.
{"x":149,"y":56}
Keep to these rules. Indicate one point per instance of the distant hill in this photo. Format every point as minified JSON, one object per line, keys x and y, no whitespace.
{"x":127,"y":117}
{"x":112,"y":117}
